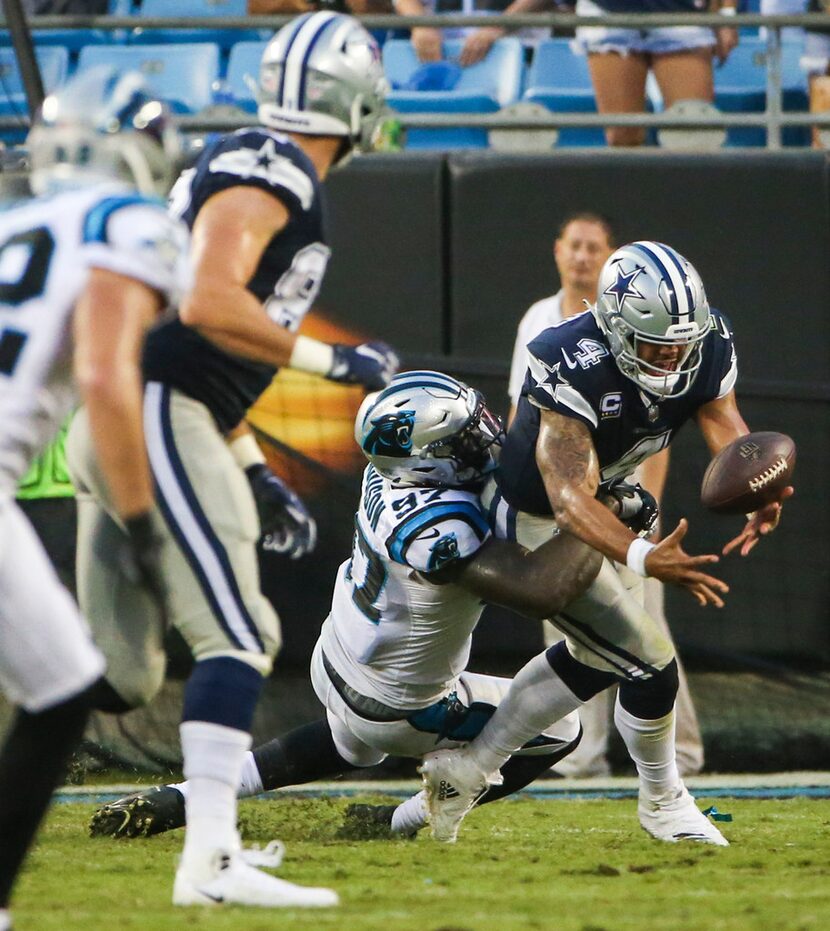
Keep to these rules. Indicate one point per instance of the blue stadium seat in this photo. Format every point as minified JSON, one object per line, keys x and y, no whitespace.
{"x":559,"y":80}
{"x":244,"y":61}
{"x":53,"y":62}
{"x":181,"y":74}
{"x":482,"y":88}
{"x":216,"y":9}
{"x":740,"y":87}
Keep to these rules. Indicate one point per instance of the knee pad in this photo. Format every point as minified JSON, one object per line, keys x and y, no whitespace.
{"x":582,"y":680}
{"x":650,"y":698}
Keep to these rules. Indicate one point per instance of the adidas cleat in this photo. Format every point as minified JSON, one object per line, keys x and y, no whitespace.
{"x":230,"y":880}
{"x":675,"y":817}
{"x":453,"y":784}
{"x":142,"y":815}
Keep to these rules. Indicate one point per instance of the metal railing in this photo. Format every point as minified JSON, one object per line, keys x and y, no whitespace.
{"x":773,"y":119}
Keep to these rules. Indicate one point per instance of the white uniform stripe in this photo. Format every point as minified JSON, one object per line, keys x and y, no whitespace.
{"x":165,"y":476}
{"x":296,"y":55}
{"x":678,"y":282}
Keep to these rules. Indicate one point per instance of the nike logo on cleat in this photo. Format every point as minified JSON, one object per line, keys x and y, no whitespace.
{"x":446,"y":790}
{"x":693,"y":835}
{"x":213,"y":898}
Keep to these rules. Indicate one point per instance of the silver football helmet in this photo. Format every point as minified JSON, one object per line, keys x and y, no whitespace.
{"x":648,"y":293}
{"x":321,"y":75}
{"x":427,"y":428}
{"x":103,"y":126}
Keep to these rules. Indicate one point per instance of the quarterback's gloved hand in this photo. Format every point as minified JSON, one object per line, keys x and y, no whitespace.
{"x":286,"y":525}
{"x":369,"y":364}
{"x":140,"y":559}
{"x":638,"y":508}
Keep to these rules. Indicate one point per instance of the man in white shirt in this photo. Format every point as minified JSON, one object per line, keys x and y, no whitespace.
{"x":583,"y":243}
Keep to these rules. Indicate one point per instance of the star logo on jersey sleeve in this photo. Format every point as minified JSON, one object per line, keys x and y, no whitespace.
{"x":547,"y":377}
{"x":623,"y":287}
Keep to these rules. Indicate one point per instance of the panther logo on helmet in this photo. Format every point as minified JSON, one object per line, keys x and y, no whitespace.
{"x":391,"y":435}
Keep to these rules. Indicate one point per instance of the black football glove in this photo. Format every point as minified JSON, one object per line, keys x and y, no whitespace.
{"x":140,"y":559}
{"x":369,"y":364}
{"x":638,"y":508}
{"x":285,"y":523}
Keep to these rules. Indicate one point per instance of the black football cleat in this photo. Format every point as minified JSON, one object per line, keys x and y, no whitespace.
{"x":142,"y":815}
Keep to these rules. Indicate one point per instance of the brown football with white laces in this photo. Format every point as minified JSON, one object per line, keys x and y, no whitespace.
{"x":748,"y":473}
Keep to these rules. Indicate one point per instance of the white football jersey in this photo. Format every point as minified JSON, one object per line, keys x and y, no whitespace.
{"x":393,"y":634}
{"x":47,"y":248}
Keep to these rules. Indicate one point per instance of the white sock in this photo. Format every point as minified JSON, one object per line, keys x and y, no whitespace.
{"x":213,"y":758}
{"x":5,"y":919}
{"x":536,"y":699}
{"x":651,"y":746}
{"x":251,"y":783}
{"x":411,"y":815}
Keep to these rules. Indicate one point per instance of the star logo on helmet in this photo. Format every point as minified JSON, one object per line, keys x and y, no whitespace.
{"x":623,"y":287}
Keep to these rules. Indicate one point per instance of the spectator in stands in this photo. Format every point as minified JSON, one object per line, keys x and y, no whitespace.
{"x":477,"y":40}
{"x":679,"y":56}
{"x":584,"y":242}
{"x":815,"y":61}
{"x":356,"y":7}
{"x":70,"y":7}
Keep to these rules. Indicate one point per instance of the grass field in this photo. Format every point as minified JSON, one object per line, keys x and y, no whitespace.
{"x":563,"y":865}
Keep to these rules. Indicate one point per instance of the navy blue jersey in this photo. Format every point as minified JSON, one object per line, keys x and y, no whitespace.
{"x":287,"y":279}
{"x":571,"y":371}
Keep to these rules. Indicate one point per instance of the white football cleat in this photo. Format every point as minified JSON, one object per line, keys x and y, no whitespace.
{"x":233,"y":881}
{"x":675,"y":817}
{"x":453,"y":784}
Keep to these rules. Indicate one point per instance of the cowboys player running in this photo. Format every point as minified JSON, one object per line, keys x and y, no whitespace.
{"x":390,"y":663}
{"x":604,"y":391}
{"x":253,"y":202}
{"x":90,"y":263}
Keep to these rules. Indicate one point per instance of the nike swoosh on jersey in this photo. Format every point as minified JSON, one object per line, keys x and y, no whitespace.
{"x":435,"y":532}
{"x":568,"y":361}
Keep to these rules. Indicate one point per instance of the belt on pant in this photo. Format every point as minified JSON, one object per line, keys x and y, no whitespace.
{"x":368,"y":708}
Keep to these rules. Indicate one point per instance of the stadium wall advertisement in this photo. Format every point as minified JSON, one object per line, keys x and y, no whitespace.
{"x":441,"y":254}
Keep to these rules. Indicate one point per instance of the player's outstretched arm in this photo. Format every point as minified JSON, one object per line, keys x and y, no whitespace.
{"x":569,"y":467}
{"x":538,"y":583}
{"x":721,"y":423}
{"x":230,"y":235}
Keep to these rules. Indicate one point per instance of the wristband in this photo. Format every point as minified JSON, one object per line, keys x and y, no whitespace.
{"x":728,"y":11}
{"x":139,"y":528}
{"x":246,"y":451}
{"x":310,"y":355}
{"x":635,"y":558}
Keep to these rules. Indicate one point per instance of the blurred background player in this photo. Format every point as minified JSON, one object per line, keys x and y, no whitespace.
{"x":91,"y":265}
{"x":390,"y":664}
{"x":254,"y":204}
{"x":604,"y":391}
{"x":584,"y":242}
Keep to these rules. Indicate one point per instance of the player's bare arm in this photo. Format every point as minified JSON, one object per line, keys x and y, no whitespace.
{"x":231,"y":232}
{"x":721,"y":423}
{"x":569,"y":467}
{"x":110,"y":320}
{"x":538,"y":583}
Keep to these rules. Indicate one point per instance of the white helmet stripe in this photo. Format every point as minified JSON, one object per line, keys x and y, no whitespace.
{"x":682,"y":297}
{"x":297,"y":55}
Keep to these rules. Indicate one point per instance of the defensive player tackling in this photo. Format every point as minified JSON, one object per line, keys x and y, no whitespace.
{"x":604,"y":391}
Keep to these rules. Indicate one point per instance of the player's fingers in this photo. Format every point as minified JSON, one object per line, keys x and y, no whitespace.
{"x":677,"y":534}
{"x":710,"y":596}
{"x":748,"y":546}
{"x":701,"y":578}
{"x":734,"y":543}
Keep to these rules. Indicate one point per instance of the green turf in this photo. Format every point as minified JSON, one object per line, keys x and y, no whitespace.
{"x":563,"y":865}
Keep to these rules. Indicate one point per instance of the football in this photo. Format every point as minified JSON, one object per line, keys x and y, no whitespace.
{"x":749,"y":473}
